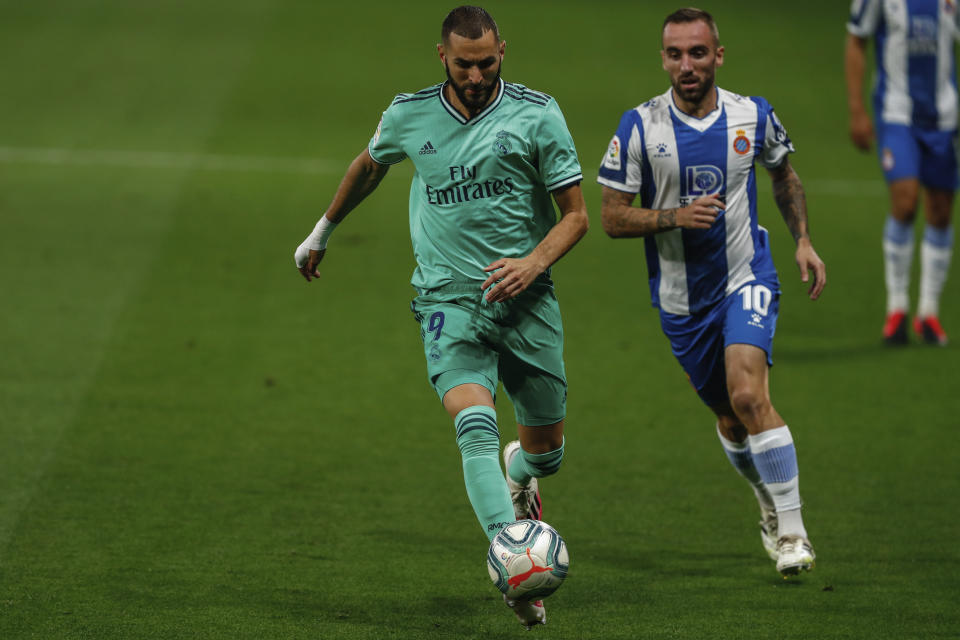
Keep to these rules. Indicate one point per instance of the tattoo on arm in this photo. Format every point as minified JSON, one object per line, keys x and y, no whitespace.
{"x":666,"y":219}
{"x":791,"y":200}
{"x":621,"y":220}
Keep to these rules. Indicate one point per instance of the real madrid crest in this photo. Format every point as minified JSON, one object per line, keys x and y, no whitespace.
{"x":502,"y":143}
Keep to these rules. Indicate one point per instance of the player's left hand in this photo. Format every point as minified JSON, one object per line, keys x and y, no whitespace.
{"x":808,"y":260}
{"x":511,"y":275}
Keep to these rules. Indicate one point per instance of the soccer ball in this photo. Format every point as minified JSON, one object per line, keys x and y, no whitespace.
{"x":528,"y":560}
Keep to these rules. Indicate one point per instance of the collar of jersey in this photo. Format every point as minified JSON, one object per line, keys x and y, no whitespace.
{"x":459,"y":116}
{"x":700,"y":124}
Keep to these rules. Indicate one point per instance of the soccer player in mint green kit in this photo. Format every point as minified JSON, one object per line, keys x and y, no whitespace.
{"x":491,"y":157}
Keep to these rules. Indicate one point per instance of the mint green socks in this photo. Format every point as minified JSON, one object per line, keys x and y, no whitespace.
{"x":534,"y":465}
{"x":479,"y":442}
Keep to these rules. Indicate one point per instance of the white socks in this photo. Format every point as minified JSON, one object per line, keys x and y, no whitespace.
{"x":776,"y":460}
{"x":935,"y":253}
{"x":897,"y":258}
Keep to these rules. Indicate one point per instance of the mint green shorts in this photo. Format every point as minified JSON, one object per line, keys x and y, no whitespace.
{"x":519,"y":342}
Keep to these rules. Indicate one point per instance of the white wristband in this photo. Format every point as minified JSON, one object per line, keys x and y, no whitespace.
{"x":318,"y":239}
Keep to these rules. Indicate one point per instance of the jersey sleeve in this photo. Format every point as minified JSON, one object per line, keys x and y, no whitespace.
{"x":556,"y":153}
{"x":864,"y":17}
{"x":622,"y":165}
{"x":775,"y":144}
{"x":386,"y":145}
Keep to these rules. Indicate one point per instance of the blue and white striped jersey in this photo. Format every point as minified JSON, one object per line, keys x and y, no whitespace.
{"x":671,"y":159}
{"x":916,"y":80}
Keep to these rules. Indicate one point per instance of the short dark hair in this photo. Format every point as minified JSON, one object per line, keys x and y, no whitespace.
{"x":690,"y":14}
{"x":469,"y":22}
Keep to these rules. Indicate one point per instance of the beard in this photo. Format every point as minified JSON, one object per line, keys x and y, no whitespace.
{"x":696,"y":94}
{"x":482,"y":92}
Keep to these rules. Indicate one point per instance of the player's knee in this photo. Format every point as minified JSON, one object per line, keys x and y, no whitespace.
{"x":939,"y":207}
{"x":477,"y":433}
{"x":749,"y":404}
{"x":904,"y":196}
{"x":906,"y":219}
{"x":903,"y":210}
{"x":938,"y":218}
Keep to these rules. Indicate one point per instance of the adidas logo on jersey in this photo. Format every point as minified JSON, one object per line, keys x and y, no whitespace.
{"x":427,"y":148}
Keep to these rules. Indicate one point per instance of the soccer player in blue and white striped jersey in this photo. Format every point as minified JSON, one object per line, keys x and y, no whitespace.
{"x":915,"y":111}
{"x":690,"y":154}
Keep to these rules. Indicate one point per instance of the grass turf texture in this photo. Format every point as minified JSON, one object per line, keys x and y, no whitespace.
{"x":195,"y":443}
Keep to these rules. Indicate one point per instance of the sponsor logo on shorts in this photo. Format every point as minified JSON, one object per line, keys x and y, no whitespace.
{"x":756,"y":320}
{"x":435,"y":353}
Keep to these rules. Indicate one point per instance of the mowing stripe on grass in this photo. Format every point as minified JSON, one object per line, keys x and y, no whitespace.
{"x":278,"y":164}
{"x":167,"y":160}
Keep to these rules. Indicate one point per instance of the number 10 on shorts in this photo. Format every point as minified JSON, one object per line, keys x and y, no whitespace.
{"x":756,"y":298}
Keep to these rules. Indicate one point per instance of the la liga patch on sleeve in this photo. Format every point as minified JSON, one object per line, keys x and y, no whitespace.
{"x":611,"y":160}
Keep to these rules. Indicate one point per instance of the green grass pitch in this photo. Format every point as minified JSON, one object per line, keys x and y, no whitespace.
{"x":194,"y":443}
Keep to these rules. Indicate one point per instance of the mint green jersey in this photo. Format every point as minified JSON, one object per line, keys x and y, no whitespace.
{"x":482,"y":186}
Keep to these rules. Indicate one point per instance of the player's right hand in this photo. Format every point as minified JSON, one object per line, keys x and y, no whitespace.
{"x":307,"y":261}
{"x":861,"y":131}
{"x":701,"y":213}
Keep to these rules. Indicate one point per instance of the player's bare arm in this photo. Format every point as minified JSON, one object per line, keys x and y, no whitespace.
{"x":792,"y":201}
{"x":513,"y":275}
{"x":362,"y":177}
{"x":855,"y":63}
{"x":622,"y":220}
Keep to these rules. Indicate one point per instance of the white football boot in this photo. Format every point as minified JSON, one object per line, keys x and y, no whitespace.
{"x":528,"y":612}
{"x":526,"y":498}
{"x":794,"y":554}
{"x":768,"y":532}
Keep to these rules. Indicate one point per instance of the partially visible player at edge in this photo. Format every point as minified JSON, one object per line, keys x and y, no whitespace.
{"x":489,"y":155}
{"x":915,"y":111}
{"x":689,"y":153}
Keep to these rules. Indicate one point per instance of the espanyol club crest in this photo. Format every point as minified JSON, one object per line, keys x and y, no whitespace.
{"x":741,"y":144}
{"x":887,"y":160}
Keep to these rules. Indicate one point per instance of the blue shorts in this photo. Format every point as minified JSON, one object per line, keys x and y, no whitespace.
{"x":929,"y":155}
{"x":748,"y":316}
